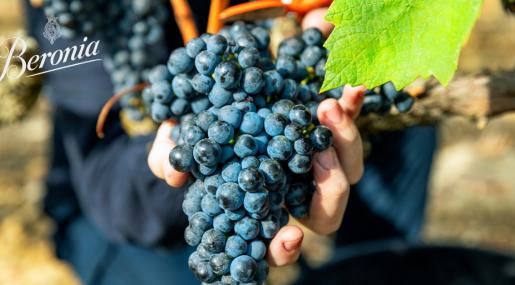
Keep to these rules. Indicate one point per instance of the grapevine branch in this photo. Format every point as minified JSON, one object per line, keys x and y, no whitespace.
{"x":475,"y":96}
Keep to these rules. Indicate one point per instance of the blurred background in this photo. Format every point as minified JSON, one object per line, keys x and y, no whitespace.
{"x":472,"y":187}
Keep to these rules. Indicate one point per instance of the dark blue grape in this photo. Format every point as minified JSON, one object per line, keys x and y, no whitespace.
{"x":262,"y":271}
{"x":404,"y":102}
{"x":283,"y":107}
{"x":230,"y":115}
{"x":221,"y":132}
{"x":209,"y":205}
{"x":214,"y":241}
{"x":206,"y":62}
{"x":202,"y":83}
{"x":286,"y":65}
{"x":207,"y":152}
{"x":291,"y":47}
{"x":235,"y":246}
{"x":271,"y":170}
{"x":222,"y":223}
{"x":180,"y":106}
{"x":236,"y":215}
{"x":247,"y":228}
{"x":248,"y":57}
{"x":227,"y":74}
{"x":179,"y":62}
{"x":219,"y":96}
{"x":245,"y":146}
{"x":280,"y":148}
{"x":193,"y":135}
{"x":227,"y":153}
{"x":160,"y":112}
{"x":181,"y":86}
{"x":204,"y":273}
{"x":253,"y":81}
{"x":159,"y":73}
{"x":321,"y":138}
{"x":220,"y":263}
{"x":290,"y":90}
{"x":245,"y":40}
{"x":229,"y":196}
{"x":181,"y":158}
{"x":293,"y":132}
{"x":240,"y":96}
{"x":256,"y":249}
{"x":249,"y":161}
{"x":300,"y":114}
{"x":204,"y":119}
{"x":269,"y":227}
{"x":246,"y":106}
{"x":312,"y":36}
{"x":273,"y":82}
{"x":320,"y":67}
{"x":255,"y":202}
{"x":303,"y":146}
{"x":276,"y":200}
{"x":274,"y":124}
{"x":389,"y":90}
{"x":201,"y":221}
{"x":250,"y":179}
{"x":231,"y":171}
{"x":300,"y":164}
{"x":194,"y":47}
{"x":262,"y":37}
{"x":311,"y":55}
{"x":199,"y":104}
{"x":264,"y":112}
{"x":203,"y":252}
{"x":206,"y":170}
{"x":211,"y":183}
{"x":217,"y":44}
{"x":300,"y":211}
{"x":192,"y":236}
{"x":252,"y":123}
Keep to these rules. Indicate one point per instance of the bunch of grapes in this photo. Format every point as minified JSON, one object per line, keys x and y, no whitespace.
{"x":131,"y":32}
{"x":247,"y":132}
{"x":383,"y":98}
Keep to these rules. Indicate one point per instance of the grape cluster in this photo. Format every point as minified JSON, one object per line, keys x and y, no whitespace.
{"x":247,"y":132}
{"x":387,"y":95}
{"x":132,"y":36}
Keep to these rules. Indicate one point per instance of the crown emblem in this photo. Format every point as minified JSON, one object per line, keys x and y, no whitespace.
{"x":52,"y":30}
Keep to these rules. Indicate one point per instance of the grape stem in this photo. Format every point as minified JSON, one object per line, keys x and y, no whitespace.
{"x":184,"y":18}
{"x":110,"y":103}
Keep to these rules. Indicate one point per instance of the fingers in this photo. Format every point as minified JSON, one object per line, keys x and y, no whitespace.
{"x":331,"y":195}
{"x":158,"y":157}
{"x":352,"y":100}
{"x":284,"y":248}
{"x":315,"y":19}
{"x":347,"y":140}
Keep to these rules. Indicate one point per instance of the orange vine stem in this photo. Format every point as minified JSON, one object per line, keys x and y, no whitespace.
{"x":102,"y":117}
{"x":214,"y":24}
{"x":184,"y":18}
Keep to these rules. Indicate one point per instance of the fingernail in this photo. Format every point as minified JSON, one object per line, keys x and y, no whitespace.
{"x":326,"y":159}
{"x":335,"y":114}
{"x":292,"y":245}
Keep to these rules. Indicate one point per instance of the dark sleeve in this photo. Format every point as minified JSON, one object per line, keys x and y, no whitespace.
{"x":124,"y":199}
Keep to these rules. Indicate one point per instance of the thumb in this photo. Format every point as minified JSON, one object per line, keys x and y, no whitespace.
{"x":347,"y":140}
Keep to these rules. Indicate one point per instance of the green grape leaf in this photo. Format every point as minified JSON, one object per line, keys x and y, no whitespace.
{"x":376,"y":41}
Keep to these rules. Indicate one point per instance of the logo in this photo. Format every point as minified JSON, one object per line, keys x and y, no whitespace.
{"x":52,"y":30}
